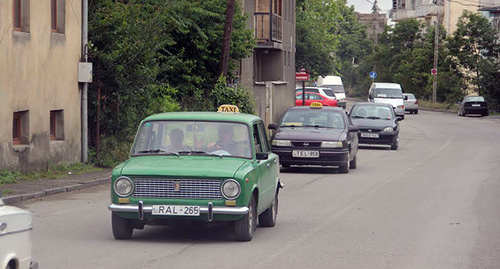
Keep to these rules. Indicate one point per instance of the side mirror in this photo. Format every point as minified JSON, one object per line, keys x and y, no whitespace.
{"x":353,"y":129}
{"x":405,"y":97}
{"x":262,"y":155}
{"x":272,"y":126}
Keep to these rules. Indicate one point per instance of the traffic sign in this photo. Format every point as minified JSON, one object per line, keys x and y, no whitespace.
{"x":373,"y":74}
{"x":301,"y":76}
{"x":434,"y":71}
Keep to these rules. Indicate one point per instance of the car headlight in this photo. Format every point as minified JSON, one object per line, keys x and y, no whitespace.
{"x":123,"y":186}
{"x":331,"y":144}
{"x":282,"y":143}
{"x":231,"y":189}
{"x":388,"y":129}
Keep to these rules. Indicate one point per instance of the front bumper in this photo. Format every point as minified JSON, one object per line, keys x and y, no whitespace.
{"x":326,"y":157}
{"x":383,"y":139}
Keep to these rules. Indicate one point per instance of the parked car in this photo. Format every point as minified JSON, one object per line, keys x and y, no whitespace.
{"x":388,"y":93}
{"x":326,"y":92}
{"x":473,"y":105}
{"x":16,"y":227}
{"x":314,"y":97}
{"x":316,"y":135}
{"x":377,"y":122}
{"x":198,"y":167}
{"x":410,"y":103}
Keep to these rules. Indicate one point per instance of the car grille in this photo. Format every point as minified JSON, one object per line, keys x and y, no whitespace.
{"x":373,"y":130}
{"x":177,"y":188}
{"x":310,"y":144}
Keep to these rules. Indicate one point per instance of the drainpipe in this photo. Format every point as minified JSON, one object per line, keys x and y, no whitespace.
{"x":84,"y":116}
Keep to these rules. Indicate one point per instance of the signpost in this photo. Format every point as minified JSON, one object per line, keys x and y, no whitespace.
{"x":373,"y":75}
{"x":302,"y":76}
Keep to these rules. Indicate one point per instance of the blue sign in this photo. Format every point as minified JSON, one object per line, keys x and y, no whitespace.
{"x":373,"y":74}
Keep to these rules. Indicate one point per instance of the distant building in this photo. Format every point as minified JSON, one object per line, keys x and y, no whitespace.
{"x":376,"y":21}
{"x":429,"y":12}
{"x":40,"y":114}
{"x":491,"y":11}
{"x":270,"y":71}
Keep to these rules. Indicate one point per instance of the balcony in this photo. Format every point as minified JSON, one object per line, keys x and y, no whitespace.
{"x":268,"y":35}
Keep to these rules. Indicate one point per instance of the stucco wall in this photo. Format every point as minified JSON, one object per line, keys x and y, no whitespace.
{"x":453,"y":11}
{"x":38,"y":73}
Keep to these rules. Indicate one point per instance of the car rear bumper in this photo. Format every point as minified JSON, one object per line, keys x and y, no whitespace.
{"x":476,"y":110}
{"x":326,"y":157}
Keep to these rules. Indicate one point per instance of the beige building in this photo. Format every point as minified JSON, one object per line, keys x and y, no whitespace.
{"x":427,"y":11}
{"x":40,"y":43}
{"x":376,"y":22}
{"x":270,"y":72}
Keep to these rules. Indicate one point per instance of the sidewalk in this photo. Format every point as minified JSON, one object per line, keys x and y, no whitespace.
{"x":26,"y":189}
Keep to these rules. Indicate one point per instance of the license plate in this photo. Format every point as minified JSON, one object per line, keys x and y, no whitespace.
{"x":305,"y":153}
{"x":369,"y":135}
{"x":476,"y":104}
{"x":176,"y":210}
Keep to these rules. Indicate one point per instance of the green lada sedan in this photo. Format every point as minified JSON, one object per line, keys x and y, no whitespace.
{"x":197,"y":166}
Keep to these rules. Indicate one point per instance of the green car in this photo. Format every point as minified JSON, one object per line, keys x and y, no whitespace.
{"x":197,"y":166}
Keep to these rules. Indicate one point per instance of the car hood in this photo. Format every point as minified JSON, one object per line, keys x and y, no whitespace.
{"x":185,"y":166}
{"x":310,"y":134}
{"x":18,"y":220}
{"x":393,"y":101}
{"x":372,"y":123}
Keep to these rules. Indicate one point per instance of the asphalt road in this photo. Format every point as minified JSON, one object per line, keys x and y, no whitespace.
{"x":434,"y":203}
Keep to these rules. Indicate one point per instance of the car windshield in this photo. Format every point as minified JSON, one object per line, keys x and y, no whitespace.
{"x":335,"y":88}
{"x":318,"y":118}
{"x":388,"y":93}
{"x":179,"y":138}
{"x":474,"y":99}
{"x":371,"y":112}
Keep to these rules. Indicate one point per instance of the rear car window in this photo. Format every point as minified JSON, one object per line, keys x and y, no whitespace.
{"x":474,"y":99}
{"x":329,"y":93}
{"x":313,"y":118}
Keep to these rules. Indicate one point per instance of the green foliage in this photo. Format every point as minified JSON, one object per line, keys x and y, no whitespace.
{"x":7,"y":177}
{"x":233,"y":95}
{"x":113,"y":151}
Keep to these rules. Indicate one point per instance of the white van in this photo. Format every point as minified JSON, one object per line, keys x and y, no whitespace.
{"x":334,"y":83}
{"x":388,"y":93}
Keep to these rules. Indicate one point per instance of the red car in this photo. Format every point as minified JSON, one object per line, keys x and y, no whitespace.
{"x":314,"y":97}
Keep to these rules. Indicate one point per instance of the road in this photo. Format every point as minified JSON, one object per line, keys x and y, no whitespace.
{"x":431,"y":204}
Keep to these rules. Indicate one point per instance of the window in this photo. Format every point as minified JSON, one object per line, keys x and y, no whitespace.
{"x":21,"y":15}
{"x":57,"y":15}
{"x":20,"y":128}
{"x":17,"y":15}
{"x":56,"y":125}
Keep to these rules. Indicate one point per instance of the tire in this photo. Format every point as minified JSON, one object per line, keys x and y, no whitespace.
{"x":395,"y":144}
{"x":403,"y":117}
{"x":122,"y":228}
{"x":344,"y":169}
{"x":416,"y":111}
{"x":354,"y":163}
{"x":245,"y":227}
{"x":268,"y":217}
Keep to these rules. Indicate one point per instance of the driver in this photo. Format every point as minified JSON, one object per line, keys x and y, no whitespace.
{"x":225,"y":142}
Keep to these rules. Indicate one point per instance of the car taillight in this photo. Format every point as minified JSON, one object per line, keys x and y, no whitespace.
{"x":416,"y":102}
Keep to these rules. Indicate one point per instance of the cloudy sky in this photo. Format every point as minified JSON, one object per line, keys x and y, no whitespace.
{"x":365,"y":6}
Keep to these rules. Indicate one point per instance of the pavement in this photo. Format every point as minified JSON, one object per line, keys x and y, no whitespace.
{"x":32,"y":189}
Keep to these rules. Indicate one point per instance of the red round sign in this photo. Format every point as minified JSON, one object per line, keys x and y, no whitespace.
{"x":434,"y":71}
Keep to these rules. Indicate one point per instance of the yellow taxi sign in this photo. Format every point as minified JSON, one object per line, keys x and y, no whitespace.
{"x":229,"y":108}
{"x":316,"y":105}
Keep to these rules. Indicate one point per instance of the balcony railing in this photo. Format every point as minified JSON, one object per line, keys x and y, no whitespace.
{"x":265,"y":31}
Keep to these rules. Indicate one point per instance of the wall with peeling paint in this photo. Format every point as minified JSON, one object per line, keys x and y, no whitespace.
{"x":38,"y":73}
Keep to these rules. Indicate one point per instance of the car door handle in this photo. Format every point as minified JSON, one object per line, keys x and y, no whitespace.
{"x":3,"y":226}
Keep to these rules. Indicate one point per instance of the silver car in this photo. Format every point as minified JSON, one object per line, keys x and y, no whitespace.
{"x":411,"y":103}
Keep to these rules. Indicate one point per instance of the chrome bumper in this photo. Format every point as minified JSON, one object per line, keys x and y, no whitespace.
{"x":209,"y":209}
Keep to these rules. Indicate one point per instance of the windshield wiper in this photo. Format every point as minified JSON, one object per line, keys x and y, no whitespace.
{"x":316,"y":126}
{"x":358,"y":117}
{"x":159,"y":151}
{"x":373,"y":118}
{"x":189,"y":152}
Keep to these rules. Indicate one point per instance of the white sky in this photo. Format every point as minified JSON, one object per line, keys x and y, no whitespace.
{"x":365,"y":6}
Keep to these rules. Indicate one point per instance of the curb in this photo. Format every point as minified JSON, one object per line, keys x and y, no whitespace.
{"x":83,"y":185}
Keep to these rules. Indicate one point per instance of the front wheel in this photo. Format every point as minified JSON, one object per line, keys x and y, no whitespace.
{"x":122,"y":228}
{"x":268,"y":217}
{"x":245,"y":227}
{"x":344,"y":169}
{"x":395,"y":144}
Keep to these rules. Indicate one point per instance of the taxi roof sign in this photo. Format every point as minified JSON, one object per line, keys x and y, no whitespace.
{"x":228,"y":108}
{"x":316,"y":105}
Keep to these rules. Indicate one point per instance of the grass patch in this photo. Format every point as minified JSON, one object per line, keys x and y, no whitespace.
{"x":7,"y":192}
{"x":437,"y":105}
{"x":54,"y":172}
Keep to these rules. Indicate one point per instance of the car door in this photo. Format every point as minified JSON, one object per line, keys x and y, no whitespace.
{"x":352,"y":136}
{"x":268,"y":168}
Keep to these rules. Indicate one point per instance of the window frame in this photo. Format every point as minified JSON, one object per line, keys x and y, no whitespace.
{"x":53,"y":16}
{"x":17,"y":17}
{"x":16,"y":139}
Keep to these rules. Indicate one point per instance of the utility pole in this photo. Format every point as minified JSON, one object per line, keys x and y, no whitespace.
{"x":436,"y":50}
{"x":226,"y":43}
{"x":84,"y":115}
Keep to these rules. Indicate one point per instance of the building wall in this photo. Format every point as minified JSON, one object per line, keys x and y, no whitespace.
{"x":38,"y":73}
{"x":453,"y":11}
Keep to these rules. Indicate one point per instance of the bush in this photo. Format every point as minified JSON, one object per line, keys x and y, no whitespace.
{"x":7,"y":177}
{"x":112,"y":151}
{"x":234,"y":95}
